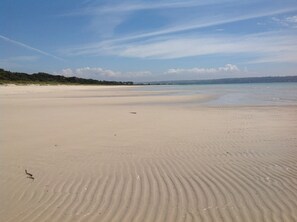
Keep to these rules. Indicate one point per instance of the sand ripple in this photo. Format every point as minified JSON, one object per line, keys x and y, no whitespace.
{"x":100,"y":163}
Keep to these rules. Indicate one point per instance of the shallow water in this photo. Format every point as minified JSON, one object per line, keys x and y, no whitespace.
{"x":236,"y":94}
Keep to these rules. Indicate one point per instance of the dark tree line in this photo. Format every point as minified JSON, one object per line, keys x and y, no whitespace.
{"x":45,"y":78}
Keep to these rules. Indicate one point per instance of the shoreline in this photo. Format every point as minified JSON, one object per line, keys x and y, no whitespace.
{"x":115,"y":95}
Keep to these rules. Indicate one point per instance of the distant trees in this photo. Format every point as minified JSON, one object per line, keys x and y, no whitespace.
{"x":45,"y":78}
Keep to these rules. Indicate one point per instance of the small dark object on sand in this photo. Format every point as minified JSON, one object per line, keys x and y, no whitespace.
{"x":30,"y":176}
{"x":133,"y":112}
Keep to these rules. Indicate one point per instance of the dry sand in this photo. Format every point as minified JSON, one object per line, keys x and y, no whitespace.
{"x":94,"y":160}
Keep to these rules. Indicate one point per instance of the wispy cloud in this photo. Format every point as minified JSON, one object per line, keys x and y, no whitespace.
{"x":172,"y":32}
{"x":290,"y":21}
{"x":222,"y":12}
{"x":131,"y":6}
{"x":115,"y":13}
{"x":29,"y":47}
{"x":102,"y":74}
{"x":262,"y":46}
{"x":208,"y":22}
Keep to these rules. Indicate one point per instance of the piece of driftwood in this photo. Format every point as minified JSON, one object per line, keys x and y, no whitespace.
{"x":133,"y":112}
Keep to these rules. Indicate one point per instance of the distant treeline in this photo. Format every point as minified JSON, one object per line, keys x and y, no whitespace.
{"x":45,"y":78}
{"x":271,"y":79}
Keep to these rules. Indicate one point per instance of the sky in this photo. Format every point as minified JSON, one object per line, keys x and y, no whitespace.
{"x":149,"y":40}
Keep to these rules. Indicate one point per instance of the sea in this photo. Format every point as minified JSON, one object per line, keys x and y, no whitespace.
{"x":264,"y":94}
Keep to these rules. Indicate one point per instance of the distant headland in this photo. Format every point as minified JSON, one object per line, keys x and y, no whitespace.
{"x":269,"y":79}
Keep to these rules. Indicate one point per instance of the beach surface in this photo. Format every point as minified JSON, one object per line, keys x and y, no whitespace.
{"x":101,"y":153}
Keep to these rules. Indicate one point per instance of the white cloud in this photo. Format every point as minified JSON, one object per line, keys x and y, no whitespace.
{"x":102,"y":74}
{"x":228,"y":68}
{"x":174,"y":73}
{"x":96,"y":71}
{"x":88,"y":72}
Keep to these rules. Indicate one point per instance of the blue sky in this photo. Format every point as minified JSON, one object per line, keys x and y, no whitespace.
{"x":143,"y":40}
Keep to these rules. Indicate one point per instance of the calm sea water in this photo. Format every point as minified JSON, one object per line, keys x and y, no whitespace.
{"x":236,"y":94}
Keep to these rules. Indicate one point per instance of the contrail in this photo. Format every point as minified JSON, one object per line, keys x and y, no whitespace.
{"x":29,"y":47}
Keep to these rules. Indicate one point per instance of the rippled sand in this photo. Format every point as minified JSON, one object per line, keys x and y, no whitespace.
{"x":117,"y":154}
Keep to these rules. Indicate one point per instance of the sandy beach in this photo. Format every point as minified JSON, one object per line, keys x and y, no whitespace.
{"x":101,"y":153}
